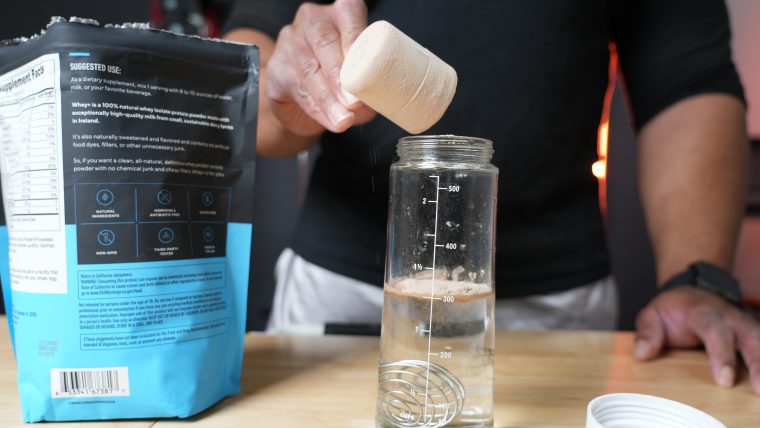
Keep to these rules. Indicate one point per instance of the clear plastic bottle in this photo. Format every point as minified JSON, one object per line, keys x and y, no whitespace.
{"x":436,"y":362}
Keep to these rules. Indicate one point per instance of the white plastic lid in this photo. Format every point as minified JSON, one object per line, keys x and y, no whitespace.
{"x":645,"y":411}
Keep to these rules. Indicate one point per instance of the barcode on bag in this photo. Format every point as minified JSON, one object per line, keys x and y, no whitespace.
{"x":94,"y":382}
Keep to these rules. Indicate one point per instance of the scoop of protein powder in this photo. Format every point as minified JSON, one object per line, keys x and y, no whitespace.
{"x":398,"y":77}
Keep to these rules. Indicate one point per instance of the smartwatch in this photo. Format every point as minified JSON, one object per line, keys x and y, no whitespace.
{"x":708,"y":277}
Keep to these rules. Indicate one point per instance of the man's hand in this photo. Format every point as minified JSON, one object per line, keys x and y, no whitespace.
{"x":687,"y":317}
{"x":300,"y":94}
{"x":304,"y":88}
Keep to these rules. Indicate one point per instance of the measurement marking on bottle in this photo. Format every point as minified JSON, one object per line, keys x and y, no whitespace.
{"x":432,"y":295}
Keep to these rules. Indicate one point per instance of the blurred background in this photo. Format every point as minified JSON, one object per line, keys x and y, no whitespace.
{"x":281,"y":183}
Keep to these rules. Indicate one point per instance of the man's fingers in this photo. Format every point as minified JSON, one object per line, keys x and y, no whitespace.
{"x":650,"y":335}
{"x":351,"y":20}
{"x":748,"y":338}
{"x":282,"y":81}
{"x":750,"y":350}
{"x":325,"y":40}
{"x":312,"y":93}
{"x":718,"y":338}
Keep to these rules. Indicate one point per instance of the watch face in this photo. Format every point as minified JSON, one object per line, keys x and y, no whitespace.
{"x":718,"y":280}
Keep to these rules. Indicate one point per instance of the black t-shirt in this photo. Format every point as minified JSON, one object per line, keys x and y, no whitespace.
{"x":532,"y":77}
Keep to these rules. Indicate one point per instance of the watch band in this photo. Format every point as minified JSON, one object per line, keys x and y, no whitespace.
{"x":708,"y":277}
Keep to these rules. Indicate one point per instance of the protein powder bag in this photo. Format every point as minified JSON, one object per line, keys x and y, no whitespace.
{"x":127,"y":171}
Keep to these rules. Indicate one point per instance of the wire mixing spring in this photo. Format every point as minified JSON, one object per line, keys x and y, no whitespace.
{"x":419,"y":394}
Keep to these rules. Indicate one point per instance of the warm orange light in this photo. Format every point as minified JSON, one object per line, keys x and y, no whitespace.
{"x":603,"y":137}
{"x":599,"y":169}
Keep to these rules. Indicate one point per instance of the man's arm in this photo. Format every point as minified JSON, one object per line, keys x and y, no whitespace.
{"x":693,"y":173}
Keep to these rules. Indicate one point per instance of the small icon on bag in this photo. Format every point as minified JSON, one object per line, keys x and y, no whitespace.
{"x":166,"y":235}
{"x":207,"y":198}
{"x":164,"y":197}
{"x":106,"y":237}
{"x":208,"y":234}
{"x":105,"y":197}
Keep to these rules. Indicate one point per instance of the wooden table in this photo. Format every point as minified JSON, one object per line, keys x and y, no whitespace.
{"x":543,"y":379}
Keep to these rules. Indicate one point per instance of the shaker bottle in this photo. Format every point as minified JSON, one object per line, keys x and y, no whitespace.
{"x":437,"y":341}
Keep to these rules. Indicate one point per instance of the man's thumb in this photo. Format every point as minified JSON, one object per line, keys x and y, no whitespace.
{"x":650,"y":336}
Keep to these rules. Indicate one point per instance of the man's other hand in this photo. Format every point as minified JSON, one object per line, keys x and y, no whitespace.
{"x":686,"y":317}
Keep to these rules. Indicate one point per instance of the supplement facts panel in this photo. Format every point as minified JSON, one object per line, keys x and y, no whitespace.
{"x":32,"y":175}
{"x":30,"y":140}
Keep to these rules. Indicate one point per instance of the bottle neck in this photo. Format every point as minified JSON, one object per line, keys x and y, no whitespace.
{"x":444,"y":148}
